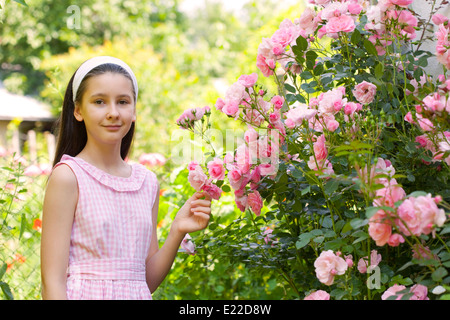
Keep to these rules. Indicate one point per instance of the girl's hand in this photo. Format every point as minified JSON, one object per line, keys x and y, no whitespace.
{"x":194,"y":214}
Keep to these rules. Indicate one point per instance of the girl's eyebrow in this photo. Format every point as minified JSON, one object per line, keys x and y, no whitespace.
{"x":105,"y":95}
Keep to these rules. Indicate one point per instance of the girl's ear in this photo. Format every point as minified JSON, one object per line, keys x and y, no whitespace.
{"x":134,"y":115}
{"x":77,"y":113}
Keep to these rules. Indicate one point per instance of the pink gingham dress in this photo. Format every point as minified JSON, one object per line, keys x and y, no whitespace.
{"x":111,"y":233}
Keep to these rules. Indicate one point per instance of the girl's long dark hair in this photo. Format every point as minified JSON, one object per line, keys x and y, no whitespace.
{"x":71,"y":133}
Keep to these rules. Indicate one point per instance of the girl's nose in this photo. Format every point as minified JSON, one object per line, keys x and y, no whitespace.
{"x":113,"y":112}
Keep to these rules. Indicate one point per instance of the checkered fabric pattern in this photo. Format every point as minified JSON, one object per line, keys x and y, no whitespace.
{"x":111,"y":232}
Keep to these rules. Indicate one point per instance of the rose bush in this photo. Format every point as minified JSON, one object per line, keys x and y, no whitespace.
{"x":351,"y":156}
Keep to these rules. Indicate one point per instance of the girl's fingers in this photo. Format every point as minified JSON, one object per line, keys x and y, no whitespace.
{"x":201,"y":203}
{"x":202,"y":209}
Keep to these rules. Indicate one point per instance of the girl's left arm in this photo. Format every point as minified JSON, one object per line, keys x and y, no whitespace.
{"x":192,"y":216}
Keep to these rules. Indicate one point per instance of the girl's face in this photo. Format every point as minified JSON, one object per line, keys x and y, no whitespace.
{"x":107,"y":108}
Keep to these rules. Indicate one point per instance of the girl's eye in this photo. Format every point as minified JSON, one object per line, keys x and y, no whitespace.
{"x":98,"y":101}
{"x":123,"y":102}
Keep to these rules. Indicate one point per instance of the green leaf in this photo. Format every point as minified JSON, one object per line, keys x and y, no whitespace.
{"x":370,"y":48}
{"x":290,"y":88}
{"x":6,"y":290}
{"x":356,"y":37}
{"x":301,"y":43}
{"x":439,"y":274}
{"x":3,"y":269}
{"x":379,"y":70}
{"x":21,"y":2}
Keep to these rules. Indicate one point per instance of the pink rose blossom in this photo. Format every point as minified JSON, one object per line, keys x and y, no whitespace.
{"x":401,"y":3}
{"x":363,"y":263}
{"x":192,"y":165}
{"x":216,"y":169}
{"x":395,"y":240}
{"x":328,"y":265}
{"x":231,"y":108}
{"x":187,"y":244}
{"x":277,"y":102}
{"x":323,"y":165}
{"x":255,"y":202}
{"x":318,"y":295}
{"x":241,"y":201}
{"x":235,"y":177}
{"x":297,"y":114}
{"x":248,"y":81}
{"x":392,"y":291}
{"x":308,"y":21}
{"x":263,"y":65}
{"x":419,"y":215}
{"x":439,"y":18}
{"x":364,"y":92}
{"x":197,"y":178}
{"x":343,"y":23}
{"x":320,"y":149}
{"x":212,"y":190}
{"x":380,"y":229}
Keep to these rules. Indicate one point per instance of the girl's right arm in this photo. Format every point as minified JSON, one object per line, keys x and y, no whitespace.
{"x":58,"y":211}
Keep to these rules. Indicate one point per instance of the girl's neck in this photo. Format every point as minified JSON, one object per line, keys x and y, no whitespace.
{"x":106,"y":158}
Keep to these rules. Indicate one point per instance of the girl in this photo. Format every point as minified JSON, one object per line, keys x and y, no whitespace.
{"x":100,"y":214}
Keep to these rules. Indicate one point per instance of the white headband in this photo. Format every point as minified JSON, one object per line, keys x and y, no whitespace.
{"x":90,"y":64}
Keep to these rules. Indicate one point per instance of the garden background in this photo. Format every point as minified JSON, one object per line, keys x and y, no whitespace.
{"x":182,"y":58}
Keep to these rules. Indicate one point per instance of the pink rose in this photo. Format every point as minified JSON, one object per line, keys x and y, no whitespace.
{"x":241,"y":201}
{"x":318,"y":295}
{"x":380,"y":228}
{"x":255,"y":202}
{"x":214,"y":191}
{"x":328,"y":265}
{"x":248,"y":81}
{"x":216,"y":169}
{"x":363,"y":263}
{"x":392,"y":291}
{"x":308,"y":21}
{"x":364,"y":92}
{"x":187,"y":244}
{"x":264,"y":65}
{"x":401,"y":3}
{"x":439,"y":18}
{"x":231,"y":108}
{"x":298,"y":113}
{"x":197,"y":178}
{"x":285,"y":36}
{"x":320,"y":149}
{"x":419,"y":292}
{"x":343,"y":23}
{"x":419,"y":215}
{"x":192,"y":165}
{"x":395,"y":240}
{"x":235,"y":177}
{"x":277,"y":102}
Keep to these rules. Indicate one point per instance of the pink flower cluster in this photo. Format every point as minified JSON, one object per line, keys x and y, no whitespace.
{"x":200,"y":181}
{"x":415,"y":215}
{"x":390,"y":19}
{"x":190,"y":116}
{"x":435,"y":107}
{"x":337,"y":16}
{"x":419,"y":292}
{"x":257,"y":157}
{"x":277,"y":47}
{"x":443,"y":39}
